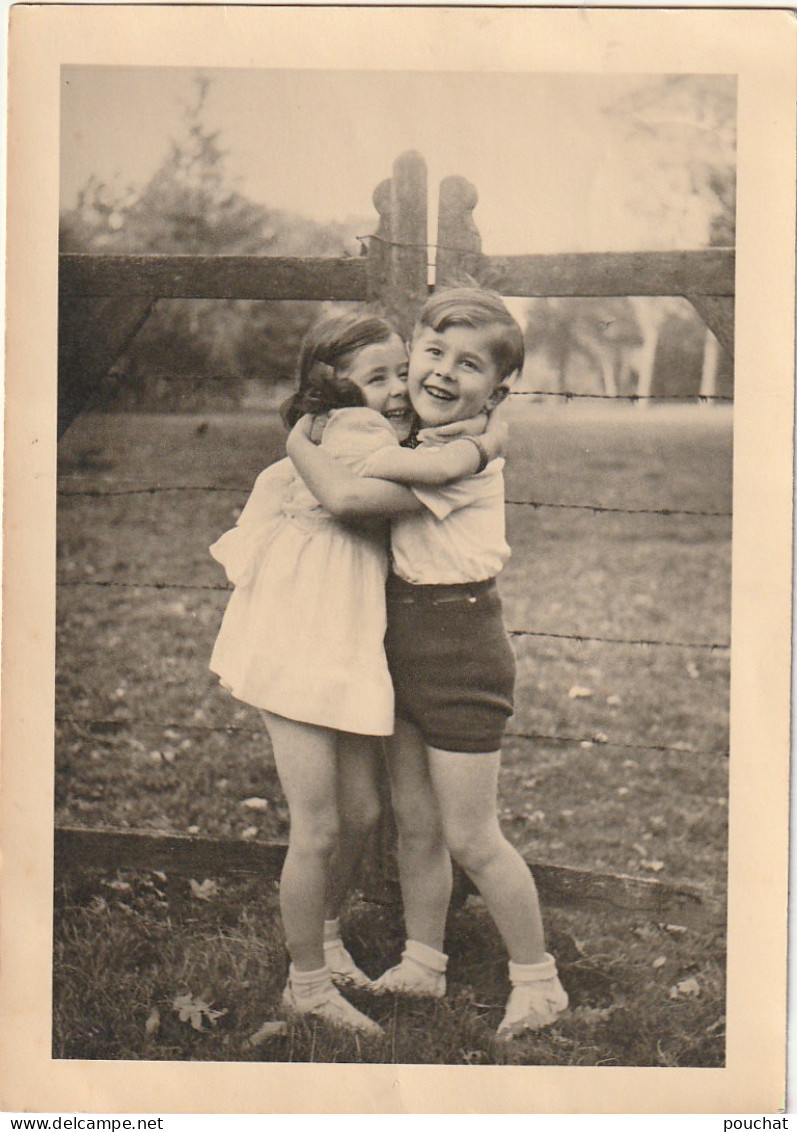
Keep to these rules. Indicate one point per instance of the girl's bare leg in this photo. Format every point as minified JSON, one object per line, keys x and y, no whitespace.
{"x":359,"y":762}
{"x":306,"y":763}
{"x":465,"y":786}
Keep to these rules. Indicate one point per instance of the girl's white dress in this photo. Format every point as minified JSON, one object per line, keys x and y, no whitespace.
{"x":303,"y":632}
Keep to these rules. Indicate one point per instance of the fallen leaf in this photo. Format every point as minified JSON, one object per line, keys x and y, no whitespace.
{"x":204,"y":891}
{"x":193,"y":829}
{"x":195,"y":1010}
{"x":662,"y":959}
{"x":577,"y":692}
{"x":687,"y":988}
{"x":652,"y":866}
{"x":266,"y":1031}
{"x":250,"y":832}
{"x":613,"y":701}
{"x":153,"y":1022}
{"x":675,"y":929}
{"x":255,"y":803}
{"x":117,"y":885}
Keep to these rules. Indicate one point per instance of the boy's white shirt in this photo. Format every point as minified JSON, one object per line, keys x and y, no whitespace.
{"x":459,"y":536}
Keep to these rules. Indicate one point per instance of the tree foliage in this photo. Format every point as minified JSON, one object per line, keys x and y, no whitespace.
{"x":191,"y":352}
{"x":679,"y":134}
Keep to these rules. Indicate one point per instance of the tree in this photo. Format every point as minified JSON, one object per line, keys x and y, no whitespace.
{"x":599,"y":331}
{"x":679,"y":137}
{"x":192,"y":351}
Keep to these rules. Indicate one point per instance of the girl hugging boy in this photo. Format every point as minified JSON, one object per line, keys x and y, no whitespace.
{"x":446,"y":668}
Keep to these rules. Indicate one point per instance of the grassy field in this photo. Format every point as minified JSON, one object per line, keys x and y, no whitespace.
{"x":144,"y":741}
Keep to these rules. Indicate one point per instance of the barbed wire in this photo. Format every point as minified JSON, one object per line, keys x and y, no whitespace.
{"x":538,"y":504}
{"x":580,"y":638}
{"x":583,"y":639}
{"x":566,"y":395}
{"x":666,"y":512}
{"x":599,"y":739}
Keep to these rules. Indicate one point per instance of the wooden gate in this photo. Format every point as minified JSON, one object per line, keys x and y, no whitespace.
{"x":105,"y":299}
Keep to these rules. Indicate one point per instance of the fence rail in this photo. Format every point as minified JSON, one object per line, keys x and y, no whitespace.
{"x":212,"y":277}
{"x":111,"y":849}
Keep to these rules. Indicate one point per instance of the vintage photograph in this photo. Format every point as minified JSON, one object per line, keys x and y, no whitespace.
{"x":272,"y":671}
{"x":397,"y":560}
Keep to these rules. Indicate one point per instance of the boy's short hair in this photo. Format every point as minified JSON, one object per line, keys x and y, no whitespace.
{"x":477,"y":308}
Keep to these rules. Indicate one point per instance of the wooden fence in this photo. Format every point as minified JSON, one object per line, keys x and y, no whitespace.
{"x":104,"y":300}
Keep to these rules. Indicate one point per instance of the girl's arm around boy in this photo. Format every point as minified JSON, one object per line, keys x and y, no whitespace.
{"x":349,"y":497}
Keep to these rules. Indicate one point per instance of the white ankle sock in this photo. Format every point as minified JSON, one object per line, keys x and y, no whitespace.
{"x":425,"y":956}
{"x":532,"y":972}
{"x":331,"y":930}
{"x":307,"y":984}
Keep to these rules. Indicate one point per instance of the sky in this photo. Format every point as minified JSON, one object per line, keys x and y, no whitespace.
{"x":553,"y":172}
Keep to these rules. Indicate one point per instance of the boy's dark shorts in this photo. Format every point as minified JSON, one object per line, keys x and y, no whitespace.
{"x":451,"y":661}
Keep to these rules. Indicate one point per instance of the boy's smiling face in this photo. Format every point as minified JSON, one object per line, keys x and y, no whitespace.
{"x":452,"y":374}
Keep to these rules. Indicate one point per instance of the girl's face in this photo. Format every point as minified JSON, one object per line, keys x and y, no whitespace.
{"x":380,"y":371}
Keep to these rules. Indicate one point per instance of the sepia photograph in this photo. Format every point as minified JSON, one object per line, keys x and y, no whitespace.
{"x":395,"y":465}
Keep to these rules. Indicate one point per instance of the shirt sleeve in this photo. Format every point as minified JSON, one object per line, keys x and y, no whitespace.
{"x":442,"y":500}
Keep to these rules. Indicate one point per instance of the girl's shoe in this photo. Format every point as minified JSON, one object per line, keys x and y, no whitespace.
{"x":409,"y":978}
{"x":537,"y":998}
{"x":344,"y":971}
{"x":421,"y":972}
{"x":330,"y":1005}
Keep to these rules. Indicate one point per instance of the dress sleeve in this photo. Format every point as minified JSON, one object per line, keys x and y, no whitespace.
{"x":266,"y":497}
{"x":442,"y":500}
{"x":240,"y":550}
{"x":353,"y":434}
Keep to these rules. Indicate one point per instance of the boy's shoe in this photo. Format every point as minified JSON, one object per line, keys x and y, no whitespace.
{"x":412,"y":979}
{"x":537,"y":999}
{"x":344,"y":971}
{"x":330,"y":1005}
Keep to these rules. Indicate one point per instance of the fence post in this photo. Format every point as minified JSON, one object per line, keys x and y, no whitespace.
{"x":398,"y":281}
{"x":398,"y":278}
{"x":458,"y":241}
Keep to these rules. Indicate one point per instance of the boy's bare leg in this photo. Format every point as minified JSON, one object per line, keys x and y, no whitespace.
{"x":424,"y":863}
{"x":359,"y":761}
{"x":465,"y":786}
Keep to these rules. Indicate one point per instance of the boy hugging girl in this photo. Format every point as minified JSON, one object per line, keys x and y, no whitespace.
{"x":449,"y":658}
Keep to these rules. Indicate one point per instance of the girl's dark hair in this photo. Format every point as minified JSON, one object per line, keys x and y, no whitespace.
{"x":326,"y":350}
